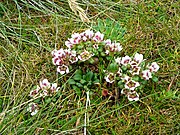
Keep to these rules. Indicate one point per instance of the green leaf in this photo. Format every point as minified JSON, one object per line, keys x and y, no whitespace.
{"x":135,"y":78}
{"x":79,"y":85}
{"x":96,"y":81}
{"x":89,"y":76}
{"x":71,"y":81}
{"x":113,"y":67}
{"x":155,"y":79}
{"x":82,"y":81}
{"x":124,"y":68}
{"x":79,"y":72}
{"x":77,"y":90}
{"x":48,"y":100}
{"x":77,"y":77}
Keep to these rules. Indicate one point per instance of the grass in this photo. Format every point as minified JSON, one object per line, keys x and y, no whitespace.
{"x":30,"y":30}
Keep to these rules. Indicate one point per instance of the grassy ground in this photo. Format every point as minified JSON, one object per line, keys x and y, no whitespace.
{"x":30,"y":30}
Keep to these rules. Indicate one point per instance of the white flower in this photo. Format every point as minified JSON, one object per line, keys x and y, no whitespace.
{"x":119,"y":72}
{"x":53,"y":53}
{"x":146,"y":74}
{"x":125,"y":91}
{"x":131,"y":85}
{"x":33,"y":108}
{"x":133,"y":64}
{"x":125,"y":60}
{"x":44,"y":84}
{"x":57,"y":61}
{"x":115,"y":47}
{"x":107,"y":52}
{"x":34,"y":93}
{"x":118,"y":60}
{"x":154,"y":67}
{"x":135,"y":70}
{"x":63,"y":69}
{"x":95,"y":46}
{"x":84,"y":38}
{"x":75,"y":38}
{"x":73,"y":53}
{"x":89,"y":33}
{"x":110,"y":78}
{"x":73,"y":59}
{"x":76,"y":35}
{"x":133,"y":96}
{"x":44,"y":93}
{"x":126,"y":78}
{"x":107,"y":42}
{"x":119,"y":47}
{"x":60,"y":53}
{"x":98,"y":37}
{"x":54,"y":88}
{"x":67,"y":51}
{"x":68,"y":44}
{"x":138,"y":58}
{"x":85,"y":56}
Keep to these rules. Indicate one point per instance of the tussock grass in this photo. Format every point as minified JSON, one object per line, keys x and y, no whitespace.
{"x":31,"y":29}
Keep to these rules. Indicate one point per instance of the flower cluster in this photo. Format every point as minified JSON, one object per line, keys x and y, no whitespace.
{"x":63,"y":58}
{"x":44,"y":89}
{"x":130,"y":68}
{"x":81,"y":47}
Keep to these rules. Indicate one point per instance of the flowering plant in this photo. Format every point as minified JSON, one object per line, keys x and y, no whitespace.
{"x":45,"y":89}
{"x":81,"y":47}
{"x":91,"y":49}
{"x":131,"y":73}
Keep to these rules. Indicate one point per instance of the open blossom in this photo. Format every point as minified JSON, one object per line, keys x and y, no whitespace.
{"x":73,"y":59}
{"x":125,"y":91}
{"x":76,"y":38}
{"x":59,"y":53}
{"x":118,"y":60}
{"x":125,"y":60}
{"x":98,"y":37}
{"x":57,"y":61}
{"x":115,"y":47}
{"x":54,"y":88}
{"x":119,"y":72}
{"x":110,"y":78}
{"x":154,"y":67}
{"x":146,"y":74}
{"x":135,"y":70}
{"x":126,"y":78}
{"x":138,"y":58}
{"x":89,"y":33}
{"x":107,"y":42}
{"x":44,"y":84}
{"x":95,"y":46}
{"x":68,"y":44}
{"x":44,"y":93}
{"x":32,"y":108}
{"x":63,"y":69}
{"x":64,"y":57}
{"x":133,"y":96}
{"x":85,"y":56}
{"x":131,"y":85}
{"x":34,"y":92}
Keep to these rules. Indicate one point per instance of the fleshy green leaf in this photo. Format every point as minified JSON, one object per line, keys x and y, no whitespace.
{"x":155,"y":79}
{"x":77,"y":77}
{"x":113,"y":67}
{"x":89,"y":76}
{"x":78,"y":91}
{"x":71,"y":81}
